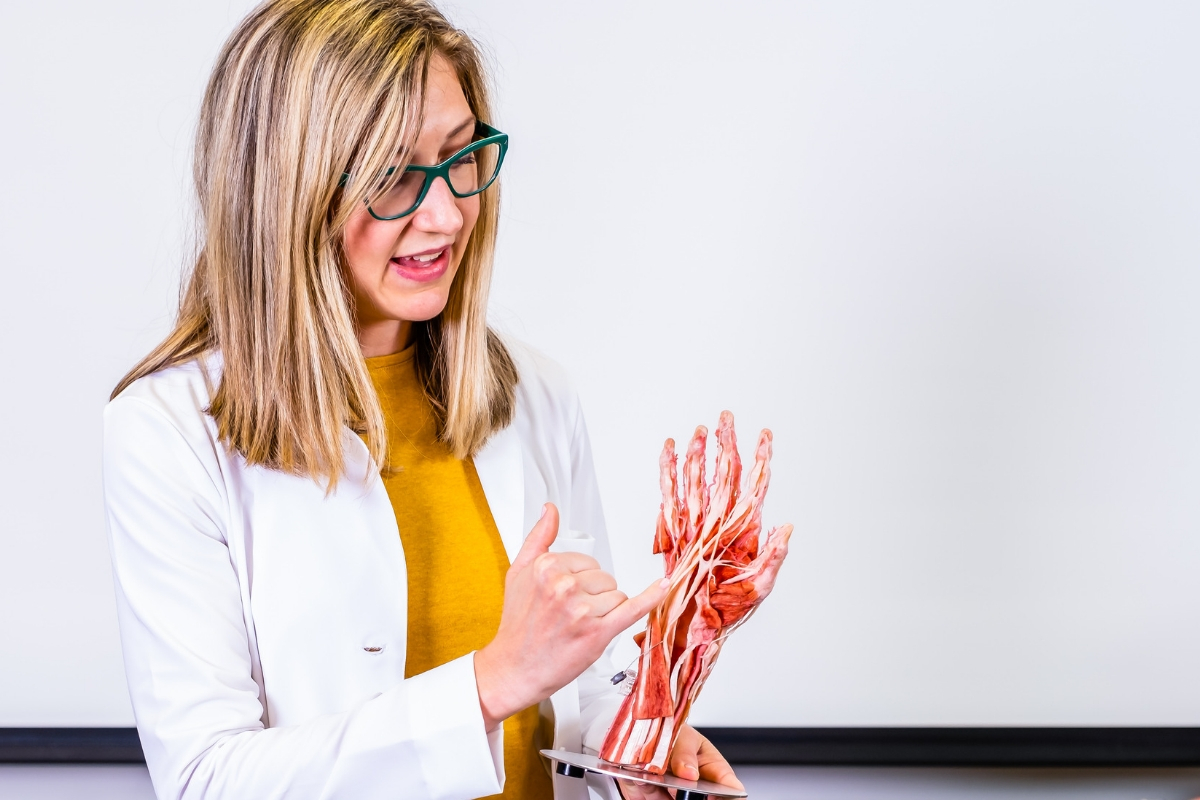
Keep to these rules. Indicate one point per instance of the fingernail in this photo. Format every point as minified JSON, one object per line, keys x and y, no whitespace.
{"x":545,"y":507}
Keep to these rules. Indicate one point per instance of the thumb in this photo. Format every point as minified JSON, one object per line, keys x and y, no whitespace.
{"x":544,"y":532}
{"x":637,"y":607}
{"x":685,"y":761}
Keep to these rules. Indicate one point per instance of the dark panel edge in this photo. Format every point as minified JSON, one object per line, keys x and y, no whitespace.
{"x":70,"y":746}
{"x":860,"y":747}
{"x":960,"y":747}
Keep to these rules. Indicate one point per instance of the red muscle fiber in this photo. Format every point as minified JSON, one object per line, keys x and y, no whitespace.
{"x":721,"y":565}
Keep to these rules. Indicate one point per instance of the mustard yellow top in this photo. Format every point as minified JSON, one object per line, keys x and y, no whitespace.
{"x":455,"y":557}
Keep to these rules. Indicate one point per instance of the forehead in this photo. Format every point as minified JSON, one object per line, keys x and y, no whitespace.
{"x":444,"y":95}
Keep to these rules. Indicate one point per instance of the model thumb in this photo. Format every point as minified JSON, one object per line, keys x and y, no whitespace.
{"x":544,"y":532}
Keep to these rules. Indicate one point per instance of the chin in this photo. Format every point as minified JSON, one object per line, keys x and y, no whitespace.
{"x":421,"y":309}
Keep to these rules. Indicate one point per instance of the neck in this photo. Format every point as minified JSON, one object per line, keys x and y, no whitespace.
{"x":384,"y":337}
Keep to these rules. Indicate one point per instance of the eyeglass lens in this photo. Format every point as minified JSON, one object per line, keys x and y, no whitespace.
{"x":468,"y":174}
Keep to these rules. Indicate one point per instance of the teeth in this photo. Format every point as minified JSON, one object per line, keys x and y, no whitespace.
{"x":426,"y":259}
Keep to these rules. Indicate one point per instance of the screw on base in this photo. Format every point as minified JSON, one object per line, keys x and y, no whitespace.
{"x":572,"y":771}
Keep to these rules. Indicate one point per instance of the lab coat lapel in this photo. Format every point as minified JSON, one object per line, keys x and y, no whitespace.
{"x":500,"y":467}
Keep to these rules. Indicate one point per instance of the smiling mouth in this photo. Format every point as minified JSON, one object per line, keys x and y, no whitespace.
{"x":422,"y":267}
{"x":420,"y":260}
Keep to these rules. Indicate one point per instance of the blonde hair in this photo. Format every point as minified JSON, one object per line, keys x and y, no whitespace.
{"x":304,"y":91}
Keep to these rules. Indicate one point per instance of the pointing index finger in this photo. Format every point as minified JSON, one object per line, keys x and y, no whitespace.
{"x":637,"y":607}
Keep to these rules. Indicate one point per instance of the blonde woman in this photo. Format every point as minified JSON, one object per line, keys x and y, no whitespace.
{"x":356,"y":537}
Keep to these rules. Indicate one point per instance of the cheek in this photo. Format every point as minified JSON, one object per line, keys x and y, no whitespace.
{"x":470,"y":212}
{"x":469,"y":208}
{"x":368,"y":246}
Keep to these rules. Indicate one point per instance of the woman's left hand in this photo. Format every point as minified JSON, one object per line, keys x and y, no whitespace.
{"x":693,"y":758}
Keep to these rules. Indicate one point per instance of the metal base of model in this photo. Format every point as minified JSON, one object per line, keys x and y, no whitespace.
{"x":576,"y":765}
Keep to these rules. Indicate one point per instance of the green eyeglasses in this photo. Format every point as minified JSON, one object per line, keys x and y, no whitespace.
{"x":467,"y":172}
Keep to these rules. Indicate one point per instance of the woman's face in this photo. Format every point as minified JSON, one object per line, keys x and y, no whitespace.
{"x":401,"y":271}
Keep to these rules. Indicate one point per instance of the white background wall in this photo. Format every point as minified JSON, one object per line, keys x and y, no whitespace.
{"x":946,"y":251}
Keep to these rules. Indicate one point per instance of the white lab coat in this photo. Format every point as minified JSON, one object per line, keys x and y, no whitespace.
{"x":263,"y":622}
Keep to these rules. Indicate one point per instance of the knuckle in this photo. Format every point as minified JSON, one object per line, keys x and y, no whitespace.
{"x":545,"y":565}
{"x":578,"y":612}
{"x":563,"y":586}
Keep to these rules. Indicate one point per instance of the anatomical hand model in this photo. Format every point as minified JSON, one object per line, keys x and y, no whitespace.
{"x":721,"y":565}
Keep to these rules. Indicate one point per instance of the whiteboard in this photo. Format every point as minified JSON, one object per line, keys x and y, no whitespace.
{"x":947,"y":252}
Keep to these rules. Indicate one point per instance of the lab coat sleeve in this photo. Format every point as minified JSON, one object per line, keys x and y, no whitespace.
{"x":188,"y":661}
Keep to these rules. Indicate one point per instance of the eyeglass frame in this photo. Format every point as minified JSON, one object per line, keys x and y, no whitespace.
{"x":442,"y":170}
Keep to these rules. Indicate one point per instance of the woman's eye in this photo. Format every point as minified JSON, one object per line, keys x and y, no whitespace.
{"x":384,"y":180}
{"x":468,"y":159}
{"x":405,"y":185}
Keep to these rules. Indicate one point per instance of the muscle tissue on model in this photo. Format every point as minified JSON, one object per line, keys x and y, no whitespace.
{"x":720,"y":565}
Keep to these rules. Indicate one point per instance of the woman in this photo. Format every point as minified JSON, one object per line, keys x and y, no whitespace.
{"x":319,"y":485}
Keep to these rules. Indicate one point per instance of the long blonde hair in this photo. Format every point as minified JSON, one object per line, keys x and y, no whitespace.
{"x":304,"y":91}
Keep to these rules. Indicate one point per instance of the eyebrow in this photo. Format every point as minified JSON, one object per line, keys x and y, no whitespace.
{"x":467,"y":122}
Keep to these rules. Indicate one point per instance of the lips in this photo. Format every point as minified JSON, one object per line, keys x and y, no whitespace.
{"x":422,"y":267}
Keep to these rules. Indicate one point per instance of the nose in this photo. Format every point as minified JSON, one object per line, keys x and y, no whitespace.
{"x":438,"y":212}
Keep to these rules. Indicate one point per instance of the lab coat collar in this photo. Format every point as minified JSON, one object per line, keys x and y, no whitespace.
{"x":501,"y":473}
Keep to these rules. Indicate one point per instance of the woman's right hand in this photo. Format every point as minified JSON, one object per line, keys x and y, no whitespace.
{"x":560,"y":612}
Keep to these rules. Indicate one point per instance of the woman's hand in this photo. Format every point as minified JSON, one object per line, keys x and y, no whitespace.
{"x":693,"y":758}
{"x":560,"y":612}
